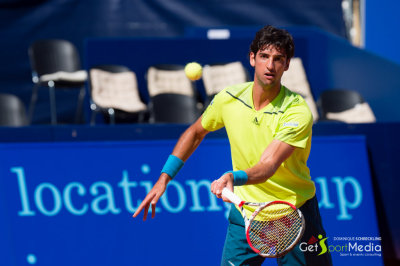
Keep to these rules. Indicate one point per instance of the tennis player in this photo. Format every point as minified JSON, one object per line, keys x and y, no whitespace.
{"x":269,"y":130}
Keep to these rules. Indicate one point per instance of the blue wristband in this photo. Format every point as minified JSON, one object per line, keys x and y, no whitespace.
{"x":172,"y":166}
{"x":239,"y":177}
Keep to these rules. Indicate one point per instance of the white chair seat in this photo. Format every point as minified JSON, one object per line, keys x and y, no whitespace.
{"x":361,"y":113}
{"x":78,"y":76}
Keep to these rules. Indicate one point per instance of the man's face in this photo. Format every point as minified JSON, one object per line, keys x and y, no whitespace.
{"x":269,"y":64}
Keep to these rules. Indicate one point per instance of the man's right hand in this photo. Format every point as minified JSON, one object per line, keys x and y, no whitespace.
{"x":185,"y":146}
{"x":152,"y":197}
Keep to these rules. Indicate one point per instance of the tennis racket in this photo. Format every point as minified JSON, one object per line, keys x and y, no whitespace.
{"x":273,"y":229}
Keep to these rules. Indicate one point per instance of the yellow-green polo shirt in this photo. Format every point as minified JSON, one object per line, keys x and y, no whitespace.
{"x":287,"y":118}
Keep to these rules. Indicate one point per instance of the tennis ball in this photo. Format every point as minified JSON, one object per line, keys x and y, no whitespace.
{"x":193,"y":71}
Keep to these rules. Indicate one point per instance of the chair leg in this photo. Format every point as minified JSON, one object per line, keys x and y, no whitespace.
{"x":141,"y":117}
{"x":94,"y":110}
{"x":32,"y":103}
{"x":79,"y":109}
{"x":111,"y":113}
{"x":93,"y":118}
{"x":53,"y":111}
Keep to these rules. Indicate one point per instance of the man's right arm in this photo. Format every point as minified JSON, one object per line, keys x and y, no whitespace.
{"x":186,"y":145}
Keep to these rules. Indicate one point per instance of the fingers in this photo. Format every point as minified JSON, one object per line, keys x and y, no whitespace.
{"x":150,"y":199}
{"x":218,"y":185}
{"x":144,"y":205}
{"x":153,"y":210}
{"x":146,"y":211}
{"x":216,"y":188}
{"x":153,"y":205}
{"x":138,"y":210}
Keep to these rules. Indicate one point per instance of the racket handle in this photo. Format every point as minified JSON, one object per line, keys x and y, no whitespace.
{"x":231,"y":196}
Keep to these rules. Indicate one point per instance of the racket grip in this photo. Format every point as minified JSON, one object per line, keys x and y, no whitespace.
{"x":231,"y":196}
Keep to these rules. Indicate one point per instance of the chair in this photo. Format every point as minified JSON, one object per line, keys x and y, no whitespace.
{"x":217,"y":77}
{"x":12,"y":111}
{"x":345,"y":106}
{"x":114,"y":92}
{"x":169,"y":78}
{"x":56,"y":65}
{"x":295,"y":79}
{"x":173,"y":97}
{"x":174,"y":108}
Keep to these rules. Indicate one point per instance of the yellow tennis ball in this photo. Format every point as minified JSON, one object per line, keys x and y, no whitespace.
{"x":193,"y":71}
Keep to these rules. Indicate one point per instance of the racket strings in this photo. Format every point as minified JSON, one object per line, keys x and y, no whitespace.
{"x":274,"y":236}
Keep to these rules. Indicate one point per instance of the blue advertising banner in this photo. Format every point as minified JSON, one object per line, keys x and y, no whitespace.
{"x":71,"y":204}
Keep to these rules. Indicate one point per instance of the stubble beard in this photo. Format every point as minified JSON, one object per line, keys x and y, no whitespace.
{"x":267,"y":86}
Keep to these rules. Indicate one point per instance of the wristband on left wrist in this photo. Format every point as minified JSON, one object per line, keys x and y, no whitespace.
{"x":239,"y":177}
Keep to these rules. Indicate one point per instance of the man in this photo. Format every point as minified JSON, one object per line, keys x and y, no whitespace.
{"x":269,"y":130}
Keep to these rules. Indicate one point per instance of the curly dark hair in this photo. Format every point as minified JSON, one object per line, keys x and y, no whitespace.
{"x":270,"y":35}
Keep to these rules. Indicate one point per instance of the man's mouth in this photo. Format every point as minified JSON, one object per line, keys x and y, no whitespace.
{"x":269,"y":75}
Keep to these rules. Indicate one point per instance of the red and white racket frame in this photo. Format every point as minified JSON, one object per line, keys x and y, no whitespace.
{"x":260,"y":206}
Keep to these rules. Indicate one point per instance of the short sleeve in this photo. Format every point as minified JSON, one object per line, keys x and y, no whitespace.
{"x":295,"y":126}
{"x":212,"y":117}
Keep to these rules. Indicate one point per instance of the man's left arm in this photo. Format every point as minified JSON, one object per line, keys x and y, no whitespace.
{"x":294,"y":131}
{"x":273,"y":156}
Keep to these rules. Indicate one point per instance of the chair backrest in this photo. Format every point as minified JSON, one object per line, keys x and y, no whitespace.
{"x":338,"y":100}
{"x":169,"y":78}
{"x":174,"y":108}
{"x":12,"y":111}
{"x":52,"y":55}
{"x":344,"y":105}
{"x":217,"y":77}
{"x":115,"y":86}
{"x":112,"y":68}
{"x":295,"y":79}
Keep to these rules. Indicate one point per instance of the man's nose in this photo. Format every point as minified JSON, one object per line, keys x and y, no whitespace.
{"x":270,"y":64}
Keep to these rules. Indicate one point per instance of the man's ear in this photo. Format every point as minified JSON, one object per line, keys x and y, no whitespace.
{"x":287,"y":64}
{"x":252,"y":59}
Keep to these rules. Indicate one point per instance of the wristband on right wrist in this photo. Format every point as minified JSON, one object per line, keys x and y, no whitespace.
{"x":172,"y":166}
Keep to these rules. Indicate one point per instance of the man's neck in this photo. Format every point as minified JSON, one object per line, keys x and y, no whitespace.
{"x":263,"y":96}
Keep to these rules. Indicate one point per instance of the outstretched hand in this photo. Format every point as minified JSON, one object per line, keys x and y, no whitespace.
{"x":225,"y":180}
{"x":152,"y":197}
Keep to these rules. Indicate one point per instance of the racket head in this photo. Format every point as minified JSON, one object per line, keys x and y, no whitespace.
{"x":275,"y":228}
